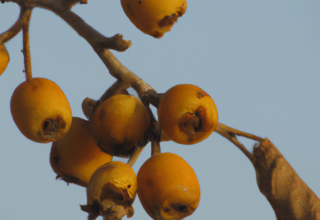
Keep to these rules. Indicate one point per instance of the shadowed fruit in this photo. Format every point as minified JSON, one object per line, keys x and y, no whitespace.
{"x":40,"y":110}
{"x":76,"y":156}
{"x":187,"y":114}
{"x":154,"y":17}
{"x":111,"y":192}
{"x":119,"y":123}
{"x":168,"y":188}
{"x":4,"y":58}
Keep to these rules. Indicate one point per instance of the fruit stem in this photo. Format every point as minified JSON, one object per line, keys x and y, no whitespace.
{"x":230,"y":134}
{"x":155,"y":148}
{"x":15,"y":29}
{"x":26,"y":44}
{"x":135,"y":156}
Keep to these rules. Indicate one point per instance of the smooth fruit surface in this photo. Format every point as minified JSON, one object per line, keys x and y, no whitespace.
{"x":119,"y":123}
{"x":4,"y":58}
{"x":154,"y":17}
{"x":111,"y":191}
{"x":187,"y":114}
{"x":40,"y":110}
{"x":76,"y":156}
{"x":168,"y":187}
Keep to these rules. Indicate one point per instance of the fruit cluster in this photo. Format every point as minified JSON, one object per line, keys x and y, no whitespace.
{"x":82,"y":150}
{"x":119,"y":125}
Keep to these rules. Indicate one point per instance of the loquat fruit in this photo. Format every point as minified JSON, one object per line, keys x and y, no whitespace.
{"x":154,"y":17}
{"x":187,"y":114}
{"x":41,"y":110}
{"x":168,"y":187}
{"x":76,"y":156}
{"x":111,"y":191}
{"x":4,"y":58}
{"x":119,"y":123}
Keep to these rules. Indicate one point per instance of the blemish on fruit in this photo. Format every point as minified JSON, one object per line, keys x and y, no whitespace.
{"x":139,"y":2}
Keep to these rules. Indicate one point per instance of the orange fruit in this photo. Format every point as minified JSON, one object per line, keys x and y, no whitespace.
{"x":168,"y":187}
{"x":4,"y":58}
{"x":187,"y":114}
{"x":40,"y":110}
{"x":154,"y":17}
{"x":119,"y":123}
{"x":111,"y":191}
{"x":76,"y":156}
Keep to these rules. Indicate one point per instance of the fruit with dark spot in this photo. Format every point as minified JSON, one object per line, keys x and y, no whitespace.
{"x":168,"y":187}
{"x":111,"y":192}
{"x":154,"y":17}
{"x":119,"y":123}
{"x":4,"y":58}
{"x":187,"y":114}
{"x":41,"y":110}
{"x":76,"y":156}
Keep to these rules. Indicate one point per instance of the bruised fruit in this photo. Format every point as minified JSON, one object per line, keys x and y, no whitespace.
{"x":4,"y":58}
{"x":76,"y":156}
{"x":187,"y":114}
{"x":154,"y":17}
{"x":119,"y":123}
{"x":40,"y":110}
{"x":168,"y":187}
{"x":111,"y":192}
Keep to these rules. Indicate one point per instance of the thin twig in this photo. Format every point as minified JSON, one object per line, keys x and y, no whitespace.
{"x":26,"y":44}
{"x":15,"y":29}
{"x":230,"y":134}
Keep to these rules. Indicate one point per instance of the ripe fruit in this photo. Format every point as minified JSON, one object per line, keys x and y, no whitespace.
{"x":154,"y":17}
{"x":40,"y":110}
{"x":187,"y":114}
{"x":119,"y":123}
{"x":76,"y":156}
{"x":4,"y":58}
{"x":111,"y":191}
{"x":168,"y":188}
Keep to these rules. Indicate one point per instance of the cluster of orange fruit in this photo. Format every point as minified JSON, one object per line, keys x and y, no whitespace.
{"x":166,"y":184}
{"x":82,"y":150}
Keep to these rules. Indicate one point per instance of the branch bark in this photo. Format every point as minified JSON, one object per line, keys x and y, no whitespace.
{"x":289,"y":196}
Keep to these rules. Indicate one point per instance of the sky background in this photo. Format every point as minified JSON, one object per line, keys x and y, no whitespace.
{"x":258,"y":60}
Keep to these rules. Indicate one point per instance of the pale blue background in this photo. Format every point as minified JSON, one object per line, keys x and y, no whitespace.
{"x":259,"y":61}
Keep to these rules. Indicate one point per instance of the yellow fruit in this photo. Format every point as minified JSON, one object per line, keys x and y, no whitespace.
{"x":154,"y":17}
{"x":76,"y":156}
{"x":119,"y":123}
{"x":40,"y":110}
{"x":168,"y":187}
{"x":187,"y":114}
{"x":111,"y":191}
{"x":4,"y":58}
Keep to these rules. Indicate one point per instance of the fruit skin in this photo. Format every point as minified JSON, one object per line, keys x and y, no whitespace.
{"x":76,"y":156}
{"x":168,"y":187}
{"x":4,"y":58}
{"x":111,"y":191}
{"x":40,"y":110}
{"x":187,"y":114}
{"x":119,"y":123}
{"x":154,"y":17}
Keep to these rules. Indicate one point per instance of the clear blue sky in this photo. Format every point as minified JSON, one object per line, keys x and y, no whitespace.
{"x":259,"y":61}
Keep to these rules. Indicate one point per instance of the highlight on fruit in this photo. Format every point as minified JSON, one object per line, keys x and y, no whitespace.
{"x":41,"y":110}
{"x":111,"y":192}
{"x":119,"y":123}
{"x":76,"y":156}
{"x":168,"y":187}
{"x":154,"y":17}
{"x":187,"y":114}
